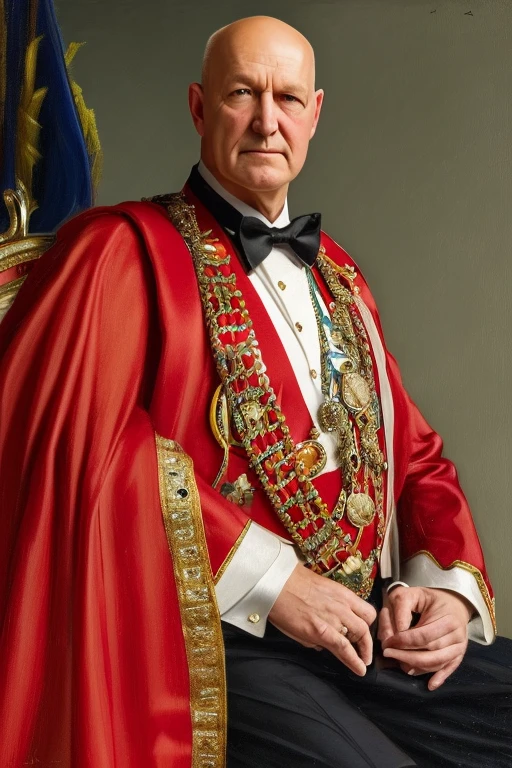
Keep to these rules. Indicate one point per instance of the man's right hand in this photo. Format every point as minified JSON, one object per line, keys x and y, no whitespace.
{"x":314,"y":611}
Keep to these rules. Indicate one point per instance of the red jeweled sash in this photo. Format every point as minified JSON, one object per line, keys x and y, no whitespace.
{"x":257,"y":419}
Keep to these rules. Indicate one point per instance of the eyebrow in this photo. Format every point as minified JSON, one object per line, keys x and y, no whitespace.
{"x":287,"y":87}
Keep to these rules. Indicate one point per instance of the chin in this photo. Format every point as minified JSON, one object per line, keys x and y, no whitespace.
{"x":262,"y":179}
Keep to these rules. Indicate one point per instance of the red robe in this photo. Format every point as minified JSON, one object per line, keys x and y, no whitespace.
{"x":105,"y":347}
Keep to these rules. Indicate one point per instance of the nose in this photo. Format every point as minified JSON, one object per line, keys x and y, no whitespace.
{"x":265,"y":118}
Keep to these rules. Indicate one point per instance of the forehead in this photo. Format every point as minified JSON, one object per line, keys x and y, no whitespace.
{"x":263,"y":58}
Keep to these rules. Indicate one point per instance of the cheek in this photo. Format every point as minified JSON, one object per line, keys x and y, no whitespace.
{"x":231,"y":127}
{"x":298,"y":140}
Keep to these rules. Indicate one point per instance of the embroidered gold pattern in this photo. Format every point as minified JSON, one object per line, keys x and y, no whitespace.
{"x":198,"y":607}
{"x":482,"y":586}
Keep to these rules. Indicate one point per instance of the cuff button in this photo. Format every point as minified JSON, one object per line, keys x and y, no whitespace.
{"x":254,"y":618}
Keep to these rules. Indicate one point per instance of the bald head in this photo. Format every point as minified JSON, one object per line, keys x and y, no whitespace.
{"x":252,"y":36}
{"x":256,"y":109}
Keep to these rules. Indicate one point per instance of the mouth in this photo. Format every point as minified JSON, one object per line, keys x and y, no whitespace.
{"x":261,"y":152}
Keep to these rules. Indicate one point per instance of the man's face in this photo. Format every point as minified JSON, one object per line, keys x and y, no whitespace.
{"x":259,"y":112}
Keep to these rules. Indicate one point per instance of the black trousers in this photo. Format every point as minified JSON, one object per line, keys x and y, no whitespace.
{"x":294,"y":707}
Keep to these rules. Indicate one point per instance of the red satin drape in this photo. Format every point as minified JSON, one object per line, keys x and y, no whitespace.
{"x":92,"y":661}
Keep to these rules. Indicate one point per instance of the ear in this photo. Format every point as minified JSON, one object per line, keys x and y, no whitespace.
{"x":319,"y":100}
{"x":196,"y":106}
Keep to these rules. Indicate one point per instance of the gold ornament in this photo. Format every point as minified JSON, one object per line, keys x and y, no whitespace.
{"x":360,"y":509}
{"x":312,"y":456}
{"x":355,"y":391}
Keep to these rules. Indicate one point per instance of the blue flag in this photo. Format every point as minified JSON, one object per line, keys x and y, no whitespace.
{"x":48,"y":139}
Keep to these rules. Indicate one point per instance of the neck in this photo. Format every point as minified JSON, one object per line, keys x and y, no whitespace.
{"x":269,"y":203}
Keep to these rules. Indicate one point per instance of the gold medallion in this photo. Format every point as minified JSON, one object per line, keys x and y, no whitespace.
{"x":330,"y":415}
{"x":355,"y":391}
{"x":312,"y":456}
{"x":360,"y":509}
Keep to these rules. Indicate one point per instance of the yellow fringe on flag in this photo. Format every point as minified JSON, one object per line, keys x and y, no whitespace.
{"x":87,"y":120}
{"x":28,"y":129}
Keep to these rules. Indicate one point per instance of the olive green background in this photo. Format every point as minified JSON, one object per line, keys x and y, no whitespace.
{"x":411,"y":168}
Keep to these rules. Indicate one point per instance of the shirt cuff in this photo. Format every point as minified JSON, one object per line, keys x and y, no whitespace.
{"x":420,"y":571}
{"x":251,"y":583}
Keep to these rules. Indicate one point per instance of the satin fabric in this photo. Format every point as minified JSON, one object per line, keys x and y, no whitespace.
{"x":105,"y":345}
{"x":301,"y":234}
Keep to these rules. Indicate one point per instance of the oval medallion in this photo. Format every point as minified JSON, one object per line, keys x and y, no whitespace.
{"x":330,"y":415}
{"x":312,"y":455}
{"x":356,"y":392}
{"x":360,"y":509}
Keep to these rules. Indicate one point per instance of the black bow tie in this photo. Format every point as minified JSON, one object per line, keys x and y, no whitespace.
{"x":253,"y":238}
{"x":301,"y":234}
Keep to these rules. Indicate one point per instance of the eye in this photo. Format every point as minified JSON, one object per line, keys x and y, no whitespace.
{"x":291,"y":101}
{"x":242,"y":92}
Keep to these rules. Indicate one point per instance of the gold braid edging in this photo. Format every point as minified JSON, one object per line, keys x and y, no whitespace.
{"x":200,"y":617}
{"x":232,"y":552}
{"x":482,"y":586}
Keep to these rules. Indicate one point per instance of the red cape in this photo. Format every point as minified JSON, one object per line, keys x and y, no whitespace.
{"x":104,"y":347}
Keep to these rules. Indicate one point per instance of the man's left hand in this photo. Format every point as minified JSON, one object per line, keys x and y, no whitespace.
{"x":437,"y":643}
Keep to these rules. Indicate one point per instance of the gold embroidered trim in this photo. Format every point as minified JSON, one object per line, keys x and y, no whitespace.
{"x":231,"y":553}
{"x":482,"y":586}
{"x":200,"y":617}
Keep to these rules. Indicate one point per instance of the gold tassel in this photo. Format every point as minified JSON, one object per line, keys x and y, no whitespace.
{"x":87,"y":120}
{"x":27,"y":153}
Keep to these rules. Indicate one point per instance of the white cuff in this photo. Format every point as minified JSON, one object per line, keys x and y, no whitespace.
{"x":421,"y":571}
{"x":251,"y":583}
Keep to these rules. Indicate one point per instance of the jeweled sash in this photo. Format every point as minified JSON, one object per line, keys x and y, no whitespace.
{"x":257,"y":418}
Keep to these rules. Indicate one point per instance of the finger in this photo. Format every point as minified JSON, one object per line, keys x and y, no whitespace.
{"x":364,"y":643}
{"x":433,"y":636}
{"x":426,"y":661}
{"x":402,"y":602}
{"x":445,"y":641}
{"x":357,"y":632}
{"x":356,"y":604}
{"x":340,"y":647}
{"x":442,"y":675}
{"x":386,"y":628}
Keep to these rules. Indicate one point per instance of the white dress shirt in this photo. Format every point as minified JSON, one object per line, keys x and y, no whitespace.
{"x":263,"y":562}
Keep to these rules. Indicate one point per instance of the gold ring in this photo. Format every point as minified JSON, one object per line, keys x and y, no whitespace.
{"x":343,"y":630}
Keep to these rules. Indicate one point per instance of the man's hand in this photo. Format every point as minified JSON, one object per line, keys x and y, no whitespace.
{"x":314,"y":611}
{"x":437,"y":643}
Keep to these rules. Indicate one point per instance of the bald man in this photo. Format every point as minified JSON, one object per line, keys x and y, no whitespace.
{"x":216,"y":495}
